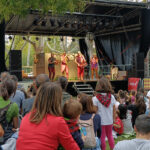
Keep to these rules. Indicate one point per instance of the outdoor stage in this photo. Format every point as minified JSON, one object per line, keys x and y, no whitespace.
{"x":116,"y":84}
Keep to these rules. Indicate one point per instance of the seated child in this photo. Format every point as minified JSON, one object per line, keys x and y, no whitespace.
{"x":125,"y":116}
{"x":71,"y":112}
{"x":118,"y":125}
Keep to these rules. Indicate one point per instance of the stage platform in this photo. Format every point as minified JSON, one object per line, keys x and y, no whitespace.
{"x":116,"y":84}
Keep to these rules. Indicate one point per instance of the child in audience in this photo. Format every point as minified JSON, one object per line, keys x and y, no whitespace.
{"x":133,"y":94}
{"x":71,"y":112}
{"x":118,"y":125}
{"x":80,"y":95}
{"x":105,"y":104}
{"x":122,"y":96}
{"x":125,"y":116}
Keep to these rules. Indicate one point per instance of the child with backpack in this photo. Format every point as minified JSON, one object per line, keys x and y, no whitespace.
{"x":90,"y":124}
{"x":71,"y":112}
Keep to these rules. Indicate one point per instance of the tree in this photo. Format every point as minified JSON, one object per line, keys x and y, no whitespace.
{"x":9,"y":8}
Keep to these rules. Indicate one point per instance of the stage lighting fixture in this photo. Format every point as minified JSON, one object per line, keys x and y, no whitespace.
{"x":61,"y":39}
{"x":10,"y":37}
{"x":24,"y":38}
{"x":73,"y":40}
{"x":59,"y":23}
{"x":49,"y":39}
{"x":35,"y":22}
{"x":37,"y":38}
{"x":43,"y":23}
{"x":52,"y":21}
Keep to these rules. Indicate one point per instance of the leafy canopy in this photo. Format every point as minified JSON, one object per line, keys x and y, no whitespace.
{"x":22,"y":7}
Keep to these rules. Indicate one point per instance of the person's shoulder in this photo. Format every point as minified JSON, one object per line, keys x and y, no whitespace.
{"x":97,"y":116}
{"x":124,"y":145}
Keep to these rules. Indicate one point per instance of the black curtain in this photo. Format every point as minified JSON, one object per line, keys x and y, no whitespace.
{"x":145,"y":39}
{"x":2,"y":47}
{"x":118,"y":49}
{"x":84,"y":50}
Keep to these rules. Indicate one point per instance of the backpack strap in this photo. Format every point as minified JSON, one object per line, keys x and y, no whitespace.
{"x":93,"y":115}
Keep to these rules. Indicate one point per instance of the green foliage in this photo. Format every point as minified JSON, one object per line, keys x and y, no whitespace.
{"x":22,"y":7}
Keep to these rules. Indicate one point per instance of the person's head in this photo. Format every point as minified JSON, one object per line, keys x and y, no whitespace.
{"x":104,"y":85}
{"x":80,"y":95}
{"x":133,"y":93}
{"x":142,"y":125}
{"x":47,"y":101}
{"x":40,"y":79}
{"x":4,"y":75}
{"x":7,"y":88}
{"x":52,"y":55}
{"x":72,"y":109}
{"x":15,"y":79}
{"x":63,"y":81}
{"x":140,"y":103}
{"x":122,"y":111}
{"x":121,"y":94}
{"x":87,"y":104}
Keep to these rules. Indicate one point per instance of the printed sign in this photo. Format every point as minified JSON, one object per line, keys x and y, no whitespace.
{"x":133,"y":83}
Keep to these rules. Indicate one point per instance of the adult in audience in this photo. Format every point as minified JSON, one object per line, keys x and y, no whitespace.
{"x":142,"y":140}
{"x":4,"y":75}
{"x":27,"y":104}
{"x":9,"y":111}
{"x":18,"y":96}
{"x":44,"y":128}
{"x":105,"y":103}
{"x":63,"y":81}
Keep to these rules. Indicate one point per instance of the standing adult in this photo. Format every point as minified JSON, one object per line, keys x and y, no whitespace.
{"x":81,"y":63}
{"x":51,"y":66}
{"x":44,"y":128}
{"x":105,"y":104}
{"x":94,"y":66}
{"x":64,"y":65}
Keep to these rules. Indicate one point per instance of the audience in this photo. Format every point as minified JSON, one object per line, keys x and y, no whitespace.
{"x":9,"y":111}
{"x":63,"y":81}
{"x":89,"y":114}
{"x":4,"y":75}
{"x":18,"y":97}
{"x":71,"y":112}
{"x":27,"y":104}
{"x":105,"y":103}
{"x":142,"y":140}
{"x":44,"y":127}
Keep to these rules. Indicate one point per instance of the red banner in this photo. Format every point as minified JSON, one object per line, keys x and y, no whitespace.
{"x":133,"y":83}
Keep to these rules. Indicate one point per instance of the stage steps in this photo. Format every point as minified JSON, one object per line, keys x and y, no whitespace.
{"x":82,"y":87}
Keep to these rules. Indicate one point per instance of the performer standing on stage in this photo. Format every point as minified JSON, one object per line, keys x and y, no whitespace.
{"x":64,"y":66}
{"x":81,"y":63}
{"x":51,"y":66}
{"x":94,"y":66}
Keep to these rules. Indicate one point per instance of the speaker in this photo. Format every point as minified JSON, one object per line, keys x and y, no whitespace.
{"x":139,"y":65}
{"x":15,"y":63}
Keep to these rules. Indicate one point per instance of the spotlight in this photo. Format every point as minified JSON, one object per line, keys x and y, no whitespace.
{"x":61,"y":39}
{"x":37,"y":38}
{"x":10,"y":37}
{"x":24,"y":38}
{"x":73,"y":40}
{"x":52,"y":21}
{"x":35,"y":22}
{"x":43,"y":23}
{"x":49,"y":39}
{"x":59,"y":23}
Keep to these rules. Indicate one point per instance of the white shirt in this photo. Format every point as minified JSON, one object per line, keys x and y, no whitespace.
{"x":106,"y":113}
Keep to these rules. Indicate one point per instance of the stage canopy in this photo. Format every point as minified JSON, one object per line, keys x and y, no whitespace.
{"x":100,"y":17}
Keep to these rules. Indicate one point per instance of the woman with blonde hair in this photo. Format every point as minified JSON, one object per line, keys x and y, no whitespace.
{"x":44,"y":127}
{"x":105,"y":103}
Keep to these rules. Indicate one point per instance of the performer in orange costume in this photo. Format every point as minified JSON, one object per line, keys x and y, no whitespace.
{"x":94,"y":66}
{"x":81,"y":63}
{"x":64,"y":66}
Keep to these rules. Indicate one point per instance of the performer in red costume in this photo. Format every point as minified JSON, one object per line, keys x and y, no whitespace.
{"x":81,"y":63}
{"x":64,"y":66}
{"x":94,"y":66}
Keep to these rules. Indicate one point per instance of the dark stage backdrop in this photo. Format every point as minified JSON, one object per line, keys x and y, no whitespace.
{"x":118,"y":49}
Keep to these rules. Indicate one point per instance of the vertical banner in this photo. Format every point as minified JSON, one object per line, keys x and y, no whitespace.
{"x":133,"y":83}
